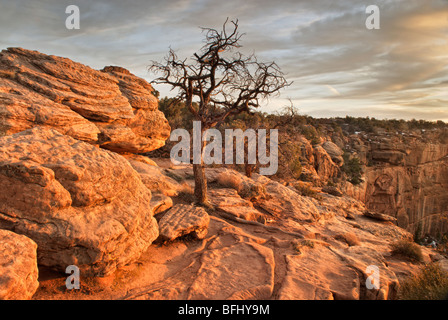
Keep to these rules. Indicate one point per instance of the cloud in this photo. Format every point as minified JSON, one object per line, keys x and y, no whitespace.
{"x":321,"y":45}
{"x":333,"y":90}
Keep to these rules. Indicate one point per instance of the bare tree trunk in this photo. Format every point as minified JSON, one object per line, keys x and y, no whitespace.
{"x":249,"y":168}
{"x":200,"y":181}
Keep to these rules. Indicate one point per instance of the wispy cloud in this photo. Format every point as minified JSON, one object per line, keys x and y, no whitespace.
{"x":337,"y":65}
{"x":332,"y":89}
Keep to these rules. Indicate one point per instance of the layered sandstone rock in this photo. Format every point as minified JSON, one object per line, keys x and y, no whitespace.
{"x":300,"y":251}
{"x":184,"y":219}
{"x":229,"y":202}
{"x":82,"y":205}
{"x":18,"y":266}
{"x":112,"y":107}
{"x":334,"y":152}
{"x":325,"y":167}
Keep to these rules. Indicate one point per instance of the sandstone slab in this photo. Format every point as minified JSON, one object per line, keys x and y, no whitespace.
{"x":184,"y":219}
{"x":242,"y":271}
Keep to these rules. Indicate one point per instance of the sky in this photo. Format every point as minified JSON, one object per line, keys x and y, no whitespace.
{"x":337,"y":65}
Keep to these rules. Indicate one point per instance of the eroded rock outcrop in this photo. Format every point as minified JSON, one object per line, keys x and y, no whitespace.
{"x":112,"y":107}
{"x":18,"y":266}
{"x":82,"y":205}
{"x":406,"y":177}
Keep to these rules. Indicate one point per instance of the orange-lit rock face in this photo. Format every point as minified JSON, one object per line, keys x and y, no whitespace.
{"x":407,"y":177}
{"x":82,"y":205}
{"x":112,"y":107}
{"x":18,"y":266}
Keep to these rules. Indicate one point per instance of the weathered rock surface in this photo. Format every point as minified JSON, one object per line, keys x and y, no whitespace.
{"x":156,"y":179}
{"x":286,"y":204}
{"x":324,"y":165}
{"x":112,"y":107}
{"x":246,"y":271}
{"x":378,"y":216}
{"x":82,"y":205}
{"x":296,"y":253}
{"x":334,"y":152}
{"x":183,"y":219}
{"x":18,"y":266}
{"x":407,"y":178}
{"x":229,"y":202}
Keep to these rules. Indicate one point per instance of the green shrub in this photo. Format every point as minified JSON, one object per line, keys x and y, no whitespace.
{"x":431,"y":283}
{"x":352,"y":168}
{"x":408,"y":249}
{"x":418,"y":233}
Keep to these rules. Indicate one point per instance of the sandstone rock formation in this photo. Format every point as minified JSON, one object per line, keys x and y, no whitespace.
{"x":325,"y":167}
{"x":229,"y":202}
{"x":18,"y":266}
{"x":295,"y":252}
{"x":334,"y":152}
{"x":82,"y":205}
{"x":111,"y":108}
{"x":184,"y":219}
{"x":155,"y":180}
{"x":406,"y":177}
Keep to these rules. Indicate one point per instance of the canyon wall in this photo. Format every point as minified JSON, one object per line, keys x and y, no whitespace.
{"x":405,"y":176}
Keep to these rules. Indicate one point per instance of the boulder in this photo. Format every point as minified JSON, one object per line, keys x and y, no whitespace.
{"x":82,"y":205}
{"x":184,"y":219}
{"x":160,"y":202}
{"x":112,"y":107}
{"x":334,"y":152}
{"x":18,"y":266}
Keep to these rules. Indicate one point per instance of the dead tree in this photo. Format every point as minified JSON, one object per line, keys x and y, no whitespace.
{"x":220,"y":81}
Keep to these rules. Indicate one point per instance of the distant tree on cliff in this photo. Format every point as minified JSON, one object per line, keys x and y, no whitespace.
{"x":218,"y":82}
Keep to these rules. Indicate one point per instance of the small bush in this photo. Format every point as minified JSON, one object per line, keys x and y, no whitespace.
{"x":299,"y":244}
{"x":351,"y":239}
{"x":431,"y":283}
{"x":253,"y":192}
{"x":307,"y":191}
{"x":352,"y":168}
{"x":418,"y":233}
{"x":408,"y":249}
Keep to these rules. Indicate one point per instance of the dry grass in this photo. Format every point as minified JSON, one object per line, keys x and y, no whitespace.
{"x":408,"y":249}
{"x":306,"y":190}
{"x":431,"y":283}
{"x":229,"y":180}
{"x":186,"y":188}
{"x":350,"y":238}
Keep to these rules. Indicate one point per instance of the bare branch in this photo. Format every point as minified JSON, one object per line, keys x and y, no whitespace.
{"x":224,"y":82}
